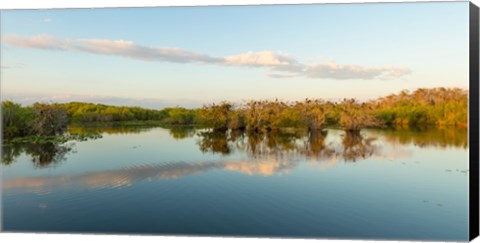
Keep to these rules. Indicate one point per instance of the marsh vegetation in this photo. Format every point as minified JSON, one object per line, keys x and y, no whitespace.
{"x":422,"y":107}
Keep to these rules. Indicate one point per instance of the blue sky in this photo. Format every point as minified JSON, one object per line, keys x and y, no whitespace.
{"x":190,"y":56}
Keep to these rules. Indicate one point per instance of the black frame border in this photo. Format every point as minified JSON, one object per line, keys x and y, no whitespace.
{"x":474,"y":123}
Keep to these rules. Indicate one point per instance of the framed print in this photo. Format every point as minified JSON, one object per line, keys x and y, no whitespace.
{"x":325,"y":121}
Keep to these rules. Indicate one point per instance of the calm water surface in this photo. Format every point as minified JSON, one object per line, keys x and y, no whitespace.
{"x":380,"y":184}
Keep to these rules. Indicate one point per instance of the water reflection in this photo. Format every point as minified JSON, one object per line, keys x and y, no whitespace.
{"x":181,"y":132}
{"x":314,"y":145}
{"x":42,"y":155}
{"x":441,"y":137}
{"x":256,"y":145}
{"x":426,"y":137}
{"x":258,"y":180}
{"x":79,"y":129}
{"x":355,"y":146}
{"x":287,"y":145}
{"x":261,"y":154}
{"x":263,"y":168}
{"x":215,"y":142}
{"x":131,"y":174}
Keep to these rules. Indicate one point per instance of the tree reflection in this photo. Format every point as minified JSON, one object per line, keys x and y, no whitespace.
{"x":276,"y":146}
{"x":79,"y":129}
{"x":237,"y":136}
{"x":356,"y":147}
{"x":264,"y":144}
{"x":182,"y":132}
{"x":283,"y":141}
{"x":254,"y":144}
{"x":424,"y":137}
{"x":269,"y":153}
{"x":314,"y":145}
{"x":287,"y":145}
{"x":42,"y":155}
{"x":10,"y":153}
{"x":215,"y":142}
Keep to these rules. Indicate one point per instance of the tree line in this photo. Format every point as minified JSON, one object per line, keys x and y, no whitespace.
{"x":36,"y":120}
{"x":435,"y":106}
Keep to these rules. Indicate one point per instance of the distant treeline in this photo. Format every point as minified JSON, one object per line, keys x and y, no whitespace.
{"x":436,"y":106}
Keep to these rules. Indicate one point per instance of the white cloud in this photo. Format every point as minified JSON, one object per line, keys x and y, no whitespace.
{"x":110,"y":47}
{"x":37,"y":42}
{"x":47,"y":20}
{"x":132,"y":50}
{"x":281,"y":75}
{"x":279,"y":65}
{"x":261,"y":59}
{"x":333,"y":70}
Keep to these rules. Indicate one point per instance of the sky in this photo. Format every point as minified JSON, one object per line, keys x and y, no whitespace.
{"x":190,"y":56}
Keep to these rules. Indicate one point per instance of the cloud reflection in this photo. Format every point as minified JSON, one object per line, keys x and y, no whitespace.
{"x":127,"y":176}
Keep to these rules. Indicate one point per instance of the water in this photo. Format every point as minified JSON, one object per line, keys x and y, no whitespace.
{"x":380,"y":184}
